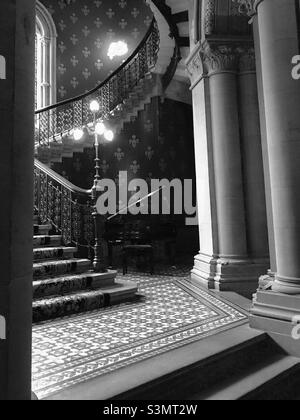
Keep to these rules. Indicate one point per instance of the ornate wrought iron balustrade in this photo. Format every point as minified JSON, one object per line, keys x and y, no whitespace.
{"x":53,"y":122}
{"x":65,"y":206}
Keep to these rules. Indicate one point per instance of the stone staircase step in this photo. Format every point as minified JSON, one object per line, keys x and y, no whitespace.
{"x":70,"y":284}
{"x":70,"y":304}
{"x":58,"y":267}
{"x":46,"y":240}
{"x":121,"y":291}
{"x":257,"y":384}
{"x":42,"y":230}
{"x":200,"y":370}
{"x":54,"y":253}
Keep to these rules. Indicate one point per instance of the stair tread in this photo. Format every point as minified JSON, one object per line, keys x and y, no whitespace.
{"x":44,"y":268}
{"x":55,"y":247}
{"x":37,"y":237}
{"x":58,"y":262}
{"x":68,"y":296}
{"x":65,"y":283}
{"x":88,"y":274}
{"x":238,"y":387}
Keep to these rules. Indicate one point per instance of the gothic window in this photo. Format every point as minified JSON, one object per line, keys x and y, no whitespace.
{"x":45,"y":58}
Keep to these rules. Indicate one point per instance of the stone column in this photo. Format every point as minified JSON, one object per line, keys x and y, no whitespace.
{"x":253,"y":168}
{"x":17,"y":33}
{"x":278,"y":40}
{"x":223,"y":262}
{"x":222,"y":65}
{"x":279,"y":43}
{"x":266,"y":278}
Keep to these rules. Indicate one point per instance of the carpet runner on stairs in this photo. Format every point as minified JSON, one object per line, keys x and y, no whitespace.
{"x":65,"y":285}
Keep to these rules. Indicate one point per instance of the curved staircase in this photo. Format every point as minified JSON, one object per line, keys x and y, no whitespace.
{"x":64,"y":227}
{"x":146,"y":74}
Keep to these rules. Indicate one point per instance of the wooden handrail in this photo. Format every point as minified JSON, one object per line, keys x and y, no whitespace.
{"x":61,"y":180}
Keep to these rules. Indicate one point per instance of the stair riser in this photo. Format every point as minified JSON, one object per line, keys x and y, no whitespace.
{"x":286,"y":387}
{"x":45,"y":311}
{"x":188,"y":383}
{"x":52,"y":254}
{"x":41,"y":230}
{"x":116,"y":299}
{"x":41,"y":241}
{"x":60,"y":286}
{"x":60,"y":268}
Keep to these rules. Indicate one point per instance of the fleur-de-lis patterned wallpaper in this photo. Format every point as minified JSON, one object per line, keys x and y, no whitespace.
{"x":157,"y":144}
{"x":85,"y":30}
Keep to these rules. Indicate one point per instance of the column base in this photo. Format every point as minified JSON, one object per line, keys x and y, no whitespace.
{"x":286,"y":285}
{"x":228,"y":275}
{"x":278,"y":315}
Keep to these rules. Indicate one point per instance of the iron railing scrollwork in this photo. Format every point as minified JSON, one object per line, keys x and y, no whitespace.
{"x":67,"y":207}
{"x":166,"y":11}
{"x":53,"y":122}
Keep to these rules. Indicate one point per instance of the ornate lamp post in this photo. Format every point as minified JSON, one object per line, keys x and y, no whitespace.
{"x":99,"y":130}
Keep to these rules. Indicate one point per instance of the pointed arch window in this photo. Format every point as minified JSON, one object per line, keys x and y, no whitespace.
{"x":45,"y":58}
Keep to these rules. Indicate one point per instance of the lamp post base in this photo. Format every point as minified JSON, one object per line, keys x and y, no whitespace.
{"x":99,"y":265}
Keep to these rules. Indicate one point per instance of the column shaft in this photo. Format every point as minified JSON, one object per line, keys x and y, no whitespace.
{"x":279,"y":43}
{"x":230,"y":204}
{"x":277,"y":311}
{"x":256,"y":216}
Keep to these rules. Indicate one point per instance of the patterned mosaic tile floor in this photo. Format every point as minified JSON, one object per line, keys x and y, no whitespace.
{"x":171,"y":313}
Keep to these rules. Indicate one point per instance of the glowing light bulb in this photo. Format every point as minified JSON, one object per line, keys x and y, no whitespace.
{"x":100,"y":128}
{"x":109,"y":135}
{"x":94,"y":107}
{"x":117,"y":49}
{"x":78,"y":134}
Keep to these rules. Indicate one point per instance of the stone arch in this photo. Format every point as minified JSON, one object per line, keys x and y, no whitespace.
{"x":46,"y":36}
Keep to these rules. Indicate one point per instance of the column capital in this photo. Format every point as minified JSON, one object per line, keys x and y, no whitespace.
{"x":247,"y":63}
{"x":228,"y":58}
{"x":210,"y":58}
{"x":248,"y":7}
{"x":220,"y":58}
{"x":194,"y":64}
